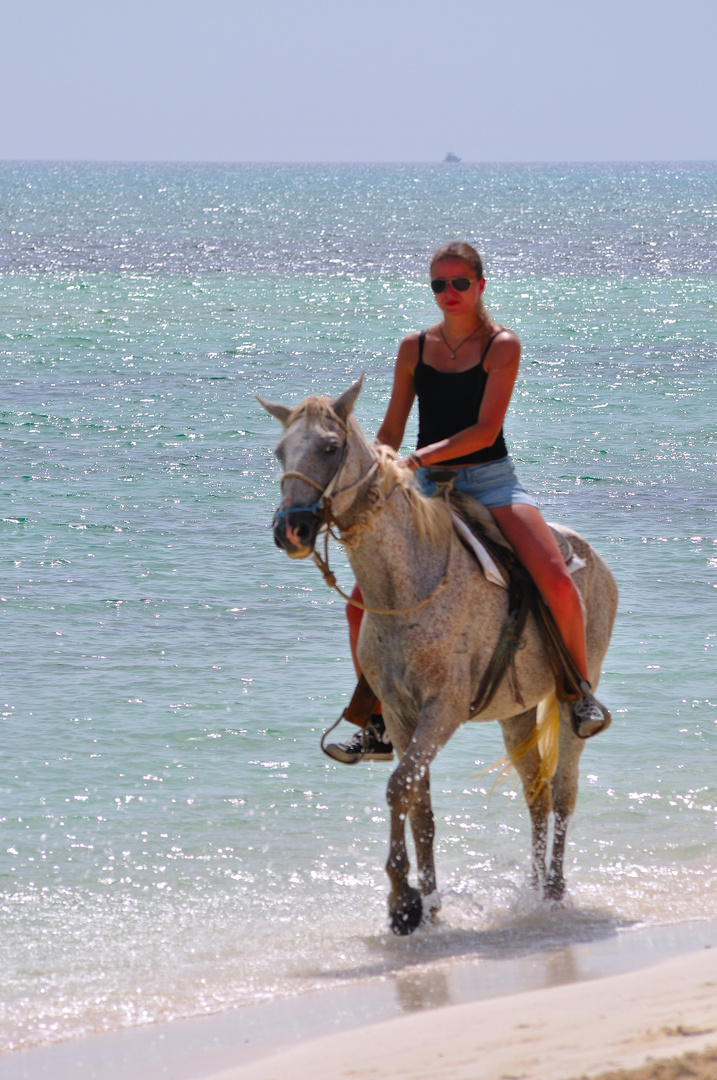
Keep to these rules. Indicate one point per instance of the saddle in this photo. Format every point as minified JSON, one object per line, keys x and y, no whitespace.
{"x":479,"y":533}
{"x":477,"y":529}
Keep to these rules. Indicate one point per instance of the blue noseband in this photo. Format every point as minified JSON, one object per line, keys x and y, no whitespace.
{"x":315,"y":509}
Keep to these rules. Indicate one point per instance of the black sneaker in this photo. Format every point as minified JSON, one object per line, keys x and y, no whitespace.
{"x":370,"y":744}
{"x":588,"y":716}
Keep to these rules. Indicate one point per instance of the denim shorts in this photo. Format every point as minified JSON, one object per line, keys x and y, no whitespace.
{"x":493,"y":484}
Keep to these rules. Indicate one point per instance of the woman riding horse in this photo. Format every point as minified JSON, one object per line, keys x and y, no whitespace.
{"x":463,"y":370}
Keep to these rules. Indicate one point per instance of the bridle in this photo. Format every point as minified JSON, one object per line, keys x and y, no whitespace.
{"x":349,"y":536}
{"x":322,"y":508}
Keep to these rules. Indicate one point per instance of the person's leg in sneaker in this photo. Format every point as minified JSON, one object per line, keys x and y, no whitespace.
{"x":372,"y":743}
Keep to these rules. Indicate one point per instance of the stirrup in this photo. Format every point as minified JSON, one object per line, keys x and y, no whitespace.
{"x":358,"y":711}
{"x":594,"y":706}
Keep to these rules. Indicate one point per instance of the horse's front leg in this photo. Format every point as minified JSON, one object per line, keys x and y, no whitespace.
{"x":423,"y":829}
{"x":408,"y":796}
{"x":404,"y":902}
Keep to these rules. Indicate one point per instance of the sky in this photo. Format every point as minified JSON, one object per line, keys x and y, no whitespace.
{"x":358,"y":80}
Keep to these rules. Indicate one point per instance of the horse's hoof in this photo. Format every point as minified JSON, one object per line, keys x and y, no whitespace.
{"x":537,"y":882}
{"x":406,"y":918}
{"x":431,"y":905}
{"x":554,"y":890}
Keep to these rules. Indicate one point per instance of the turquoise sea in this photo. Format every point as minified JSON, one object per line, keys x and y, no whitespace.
{"x":172,"y":840}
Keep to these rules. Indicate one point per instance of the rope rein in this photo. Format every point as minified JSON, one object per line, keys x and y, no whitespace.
{"x":330,"y":579}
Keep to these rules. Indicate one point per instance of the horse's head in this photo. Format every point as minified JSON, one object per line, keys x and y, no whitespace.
{"x":312,"y":452}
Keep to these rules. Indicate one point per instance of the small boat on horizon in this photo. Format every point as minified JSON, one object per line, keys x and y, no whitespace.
{"x":451,"y":158}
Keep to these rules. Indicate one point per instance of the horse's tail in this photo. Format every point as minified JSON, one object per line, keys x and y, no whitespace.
{"x":548,"y":738}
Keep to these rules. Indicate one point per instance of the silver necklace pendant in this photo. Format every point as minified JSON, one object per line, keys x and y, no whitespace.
{"x":460,"y":343}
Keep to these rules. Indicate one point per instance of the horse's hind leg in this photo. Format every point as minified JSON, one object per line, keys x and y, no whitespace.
{"x":564,"y":792}
{"x":518,"y":734}
{"x":423,"y":829}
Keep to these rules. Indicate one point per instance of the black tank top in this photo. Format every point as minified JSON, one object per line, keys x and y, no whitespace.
{"x":449,"y":402}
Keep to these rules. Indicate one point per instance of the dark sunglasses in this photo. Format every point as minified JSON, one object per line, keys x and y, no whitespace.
{"x":460,"y":284}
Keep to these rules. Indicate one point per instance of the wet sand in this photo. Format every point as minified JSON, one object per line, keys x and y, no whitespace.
{"x":374,"y":1025}
{"x":578,"y":1030}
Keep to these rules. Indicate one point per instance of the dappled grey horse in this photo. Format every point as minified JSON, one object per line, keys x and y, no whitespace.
{"x":431,"y":626}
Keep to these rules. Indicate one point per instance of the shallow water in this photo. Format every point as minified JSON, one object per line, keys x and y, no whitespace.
{"x":172,"y":839}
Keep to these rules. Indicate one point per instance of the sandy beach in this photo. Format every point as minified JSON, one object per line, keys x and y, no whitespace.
{"x":581,"y":1030}
{"x":556,"y":1014}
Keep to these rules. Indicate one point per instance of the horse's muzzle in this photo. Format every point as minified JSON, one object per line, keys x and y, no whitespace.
{"x":295,"y":532}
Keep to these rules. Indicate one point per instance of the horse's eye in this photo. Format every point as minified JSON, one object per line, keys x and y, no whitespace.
{"x":330,"y":448}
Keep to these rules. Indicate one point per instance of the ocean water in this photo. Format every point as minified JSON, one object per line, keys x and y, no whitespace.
{"x":172,"y":840}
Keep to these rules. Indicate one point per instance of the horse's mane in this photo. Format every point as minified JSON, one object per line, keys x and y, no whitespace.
{"x":432,"y":516}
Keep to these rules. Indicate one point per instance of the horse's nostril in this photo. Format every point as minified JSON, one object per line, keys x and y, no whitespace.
{"x":295,"y":530}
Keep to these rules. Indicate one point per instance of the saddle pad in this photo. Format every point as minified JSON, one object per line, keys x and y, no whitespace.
{"x":488,"y":564}
{"x":490,"y":567}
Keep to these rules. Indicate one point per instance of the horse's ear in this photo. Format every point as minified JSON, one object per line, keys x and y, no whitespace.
{"x":279,"y":412}
{"x":345,"y":403}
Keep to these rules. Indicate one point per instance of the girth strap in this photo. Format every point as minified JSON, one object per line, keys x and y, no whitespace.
{"x":502,"y":662}
{"x":523,"y":597}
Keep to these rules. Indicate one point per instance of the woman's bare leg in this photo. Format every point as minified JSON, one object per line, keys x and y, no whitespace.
{"x":536,"y":547}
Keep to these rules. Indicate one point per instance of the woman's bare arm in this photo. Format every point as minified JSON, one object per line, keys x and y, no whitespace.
{"x":402,"y":394}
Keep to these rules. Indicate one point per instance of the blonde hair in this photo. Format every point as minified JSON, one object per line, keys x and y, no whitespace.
{"x":457,"y":249}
